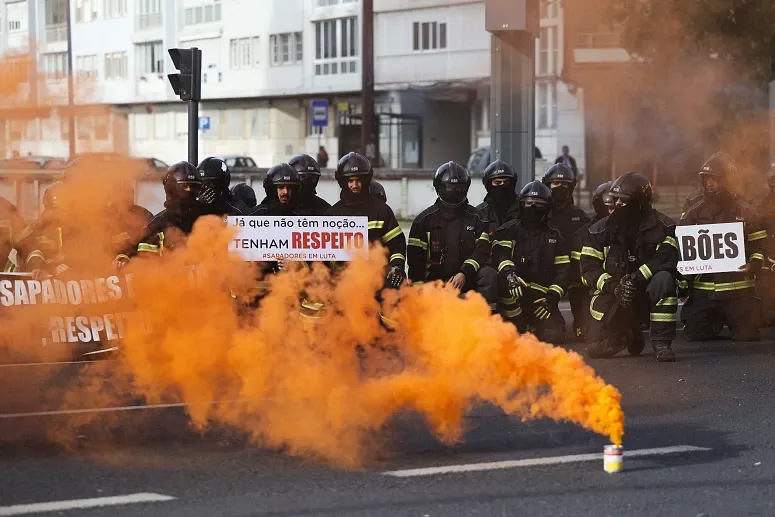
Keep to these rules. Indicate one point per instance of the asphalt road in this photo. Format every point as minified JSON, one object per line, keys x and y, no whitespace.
{"x":717,"y":396}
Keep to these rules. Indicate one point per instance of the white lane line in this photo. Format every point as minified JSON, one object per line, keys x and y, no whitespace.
{"x":556,"y":460}
{"x":5,"y":416}
{"x":82,"y":504}
{"x":52,"y":363}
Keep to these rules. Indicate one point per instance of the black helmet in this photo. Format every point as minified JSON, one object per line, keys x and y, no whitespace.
{"x":178,"y":175}
{"x":536,"y":190}
{"x":452,"y":182}
{"x":719,"y":165}
{"x":599,"y":204}
{"x":245,"y":193}
{"x":632,"y":187}
{"x":280,"y":174}
{"x":52,"y":196}
{"x":378,"y":191}
{"x":498,"y":169}
{"x":354,"y":165}
{"x":215,"y":177}
{"x":559,"y":173}
{"x":304,"y":164}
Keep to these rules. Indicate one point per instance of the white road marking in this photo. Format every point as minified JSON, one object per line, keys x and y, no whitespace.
{"x":82,"y":504}
{"x":116,"y":408}
{"x":52,"y":363}
{"x":556,"y":460}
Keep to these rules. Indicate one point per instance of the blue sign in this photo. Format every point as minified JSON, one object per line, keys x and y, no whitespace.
{"x":204,"y":123}
{"x":319,"y":112}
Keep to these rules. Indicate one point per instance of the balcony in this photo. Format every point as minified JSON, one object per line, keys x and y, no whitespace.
{"x":56,"y":33}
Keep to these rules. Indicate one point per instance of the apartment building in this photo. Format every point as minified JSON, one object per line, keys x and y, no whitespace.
{"x":264,"y":62}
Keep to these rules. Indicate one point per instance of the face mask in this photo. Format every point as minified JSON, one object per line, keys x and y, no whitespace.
{"x":626,"y":215}
{"x":309,"y":183}
{"x":503,"y":194}
{"x":560,"y":195}
{"x":532,"y":215}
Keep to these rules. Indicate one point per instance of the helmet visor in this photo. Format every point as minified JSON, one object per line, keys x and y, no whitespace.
{"x":453,"y":193}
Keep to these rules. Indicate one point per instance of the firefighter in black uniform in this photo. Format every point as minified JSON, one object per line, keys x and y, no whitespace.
{"x":629,"y":259}
{"x":16,"y":234}
{"x":309,"y":203}
{"x":378,"y":191}
{"x":215,"y":195}
{"x":698,"y":194}
{"x":500,"y":204}
{"x":282,"y":186}
{"x":765,"y":281}
{"x":354,"y":175}
{"x":532,"y":260}
{"x":169,"y":228}
{"x":568,"y":218}
{"x":245,"y":193}
{"x":719,"y":298}
{"x":132,"y":220}
{"x":449,"y":241}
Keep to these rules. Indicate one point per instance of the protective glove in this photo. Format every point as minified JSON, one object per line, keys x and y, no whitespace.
{"x":514,"y":284}
{"x":542,"y":309}
{"x":395,"y":277}
{"x":206,"y":195}
{"x":120,"y":262}
{"x":625,"y":291}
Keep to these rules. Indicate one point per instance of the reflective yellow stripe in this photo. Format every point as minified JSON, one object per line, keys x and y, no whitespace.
{"x":670,"y":300}
{"x":595,"y":314}
{"x":592,"y":252}
{"x":755,"y":236}
{"x":392,"y":234}
{"x":122,"y":256}
{"x":508,"y":301}
{"x":397,"y":256}
{"x":472,"y":263}
{"x":663,"y":318}
{"x":505,"y":244}
{"x":756,"y":256}
{"x":725,"y":286}
{"x":561,"y":259}
{"x":375,"y":225}
{"x":121,"y":237}
{"x":413,"y":241}
{"x":645,"y":271}
{"x":33,"y":255}
{"x":557,"y":289}
{"x":418,"y":282}
{"x":512,"y":313}
{"x":671,"y":241}
{"x":484,"y":237}
{"x":23,"y":234}
{"x":505,"y":263}
{"x":149,"y":248}
{"x":601,"y":280}
{"x":575,"y":255}
{"x":313,"y":306}
{"x":538,"y":287}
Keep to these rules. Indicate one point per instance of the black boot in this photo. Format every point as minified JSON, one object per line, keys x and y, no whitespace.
{"x":606,"y":347}
{"x":662,"y":351}
{"x":635,"y":341}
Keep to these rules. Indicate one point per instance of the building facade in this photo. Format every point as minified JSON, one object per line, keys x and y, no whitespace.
{"x":263,"y":63}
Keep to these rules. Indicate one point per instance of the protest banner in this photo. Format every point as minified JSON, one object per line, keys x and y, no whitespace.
{"x":710,"y":248}
{"x":312,"y":238}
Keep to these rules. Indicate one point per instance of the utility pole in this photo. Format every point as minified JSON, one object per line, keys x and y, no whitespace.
{"x":514,"y":25}
{"x":70,"y":93}
{"x":367,"y":81}
{"x":188,"y":86}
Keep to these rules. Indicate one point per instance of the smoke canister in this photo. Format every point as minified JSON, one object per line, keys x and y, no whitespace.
{"x":612,"y":458}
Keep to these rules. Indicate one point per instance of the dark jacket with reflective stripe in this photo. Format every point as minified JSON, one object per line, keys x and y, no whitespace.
{"x":383,"y":226}
{"x":495,"y":221}
{"x":16,"y":234}
{"x":444,"y":241}
{"x":538,"y":255}
{"x":577,"y":241}
{"x":164,"y":232}
{"x":569,"y":219}
{"x":135,"y":224}
{"x":729,"y":210}
{"x":605,"y":257}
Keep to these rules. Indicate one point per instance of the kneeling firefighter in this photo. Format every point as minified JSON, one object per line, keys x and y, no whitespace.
{"x":449,"y":241}
{"x":533,"y":262}
{"x":629,"y":259}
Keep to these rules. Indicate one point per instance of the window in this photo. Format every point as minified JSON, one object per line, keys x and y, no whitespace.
{"x":148,"y":14}
{"x":85,"y":10}
{"x":150,"y":58}
{"x":546,"y":63}
{"x":336,"y":46}
{"x":55,"y":17}
{"x":244,"y":52}
{"x":114,"y":9}
{"x":286,"y":48}
{"x":16,"y":13}
{"x":429,"y":36}
{"x":55,"y":65}
{"x":324,"y":3}
{"x":548,"y":8}
{"x":235,"y":123}
{"x":86,"y":66}
{"x":546,"y":105}
{"x":206,"y":13}
{"x":116,"y":65}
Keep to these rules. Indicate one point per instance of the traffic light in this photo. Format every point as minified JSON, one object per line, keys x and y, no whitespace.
{"x":188,"y":83}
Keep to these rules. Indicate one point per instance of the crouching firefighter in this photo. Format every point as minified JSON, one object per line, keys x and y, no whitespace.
{"x":354,"y":175}
{"x":533,"y":262}
{"x":730,"y":298}
{"x":629,"y":260}
{"x":449,"y":241}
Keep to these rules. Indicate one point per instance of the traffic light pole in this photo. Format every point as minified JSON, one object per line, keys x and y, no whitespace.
{"x":193,"y":132}
{"x":188,"y":86}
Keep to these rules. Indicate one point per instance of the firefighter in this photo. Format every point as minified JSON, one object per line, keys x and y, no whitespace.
{"x":500,"y":204}
{"x":309,"y":203}
{"x":765,"y":281}
{"x":282,"y":186}
{"x":354,"y":175}
{"x":170,"y":227}
{"x":214,"y":194}
{"x":719,"y":298}
{"x":51,"y":233}
{"x":245,"y":193}
{"x":629,"y":259}
{"x":378,"y":191}
{"x":532,"y":260}
{"x":568,"y":218}
{"x":449,"y":241}
{"x":698,"y":193}
{"x":15,"y":234}
{"x":129,"y":222}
